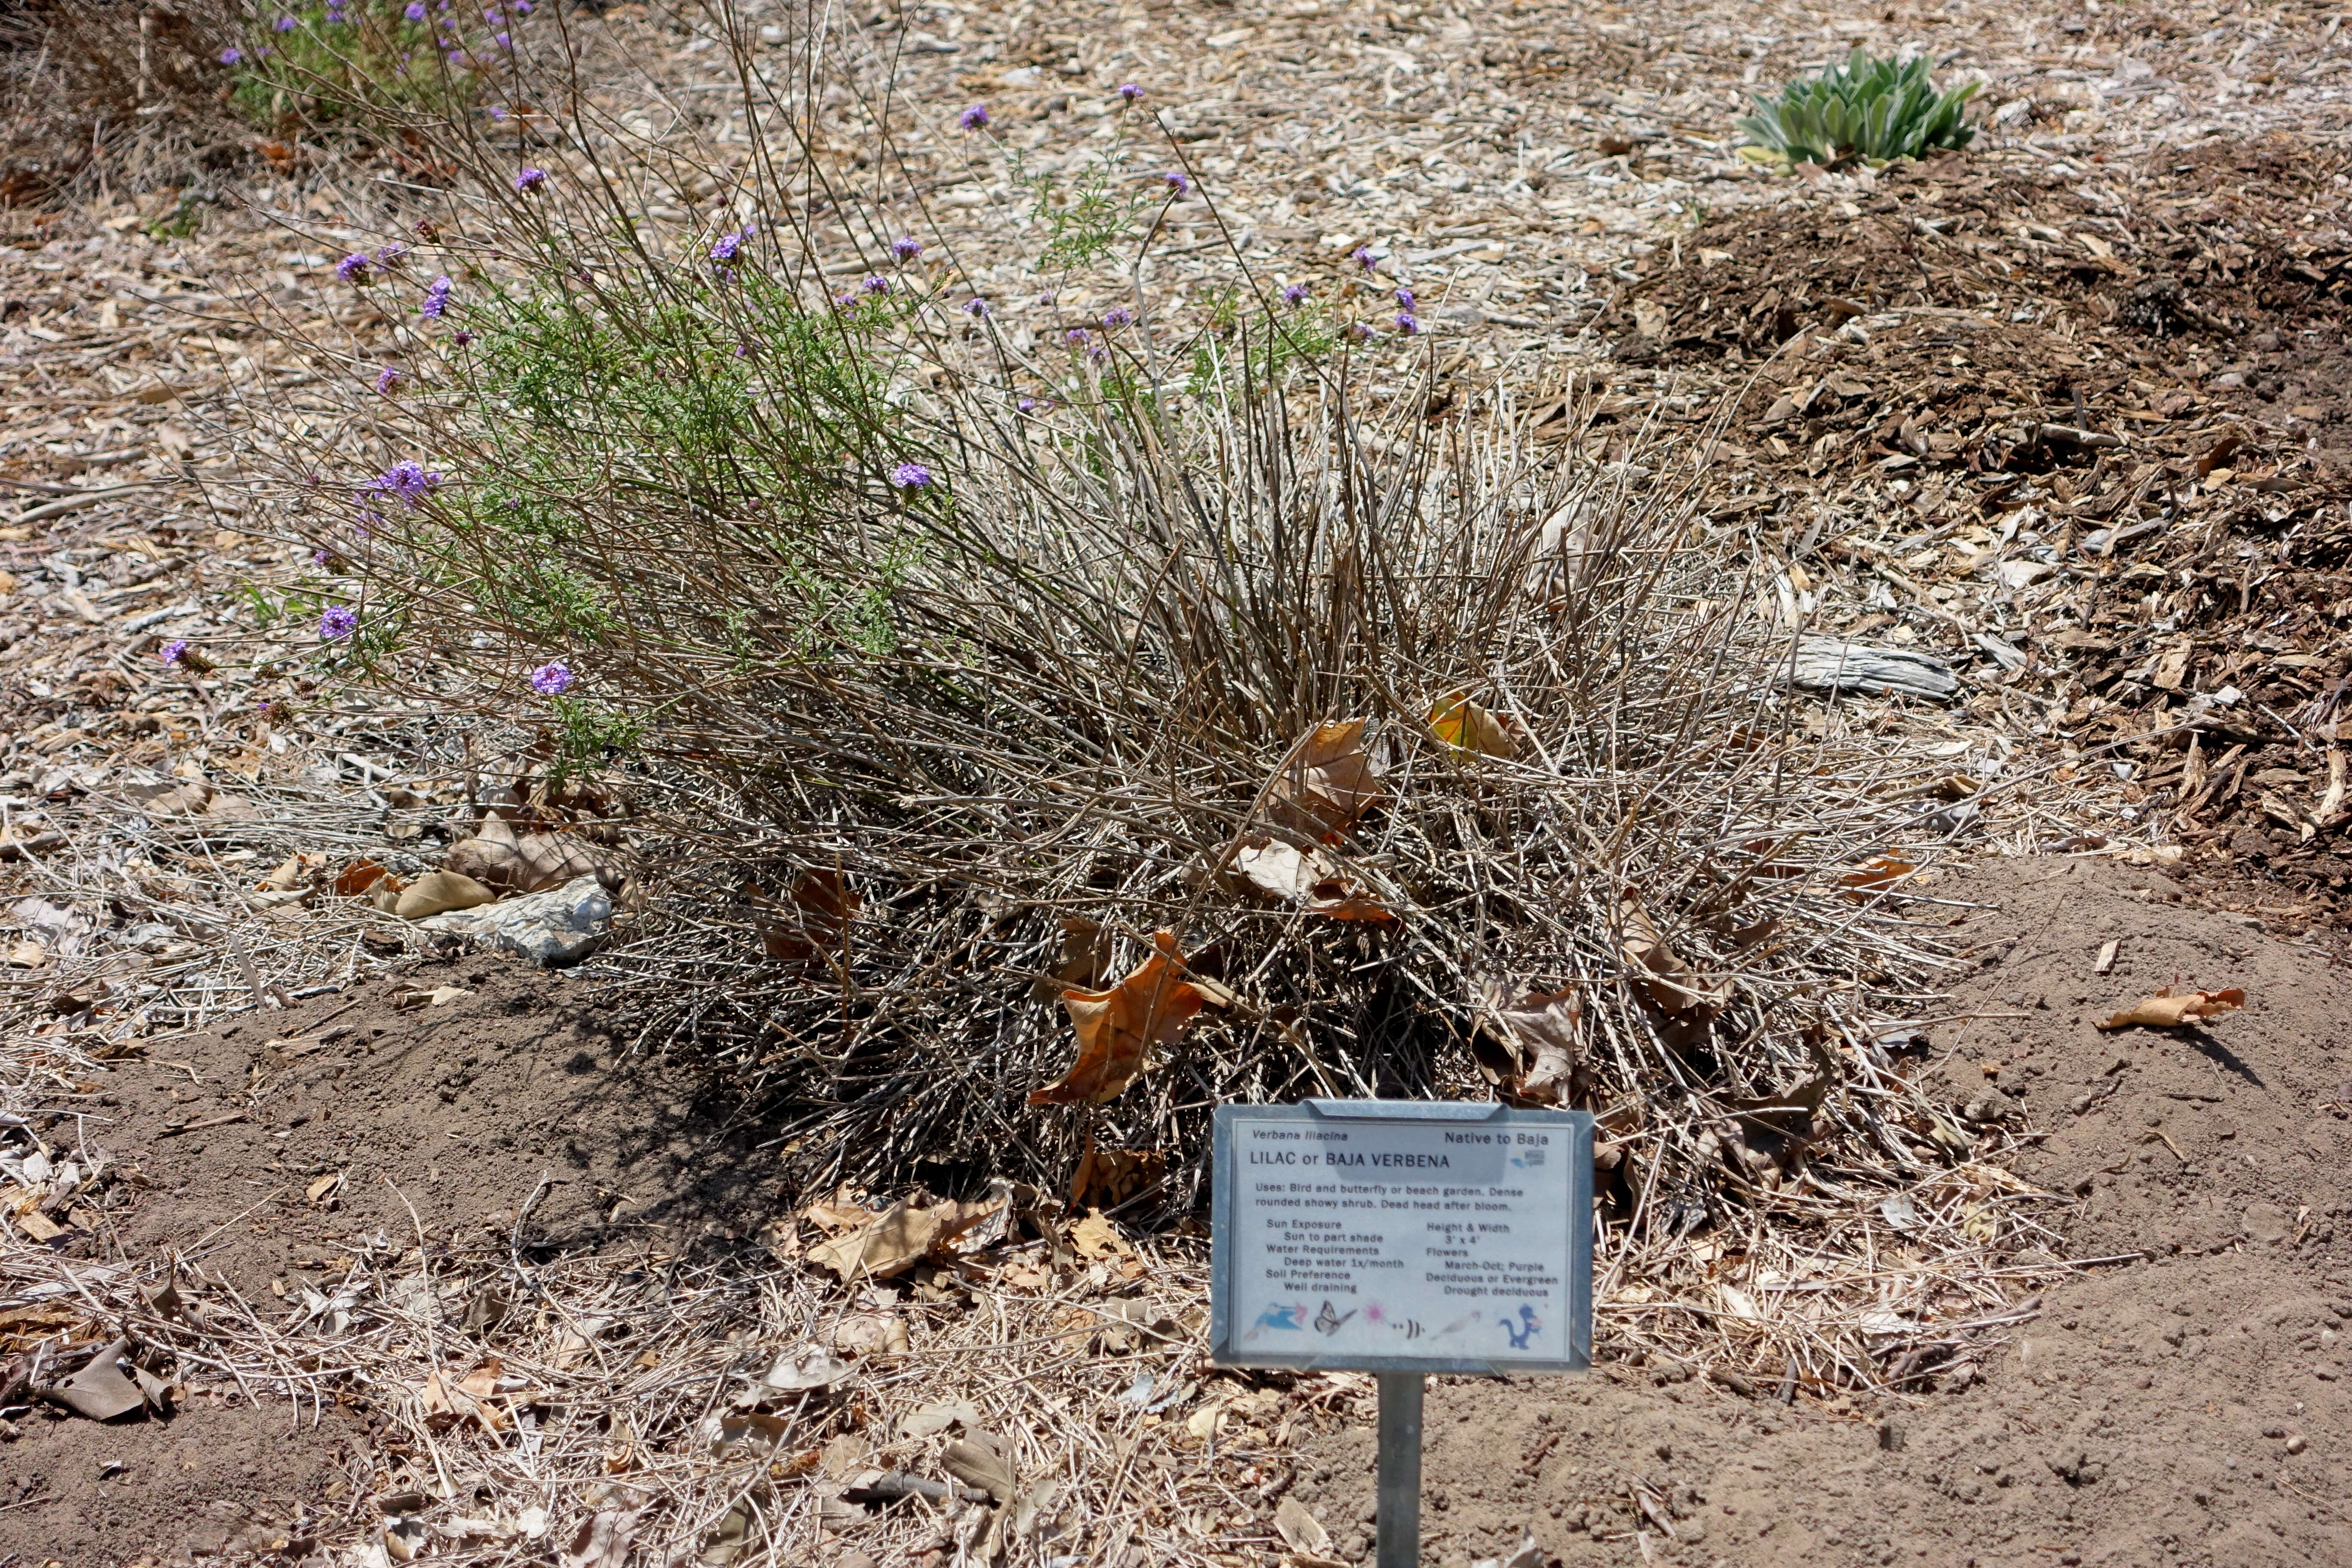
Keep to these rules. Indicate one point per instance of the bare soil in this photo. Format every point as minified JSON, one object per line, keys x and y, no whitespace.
{"x":2147,"y":1413}
{"x":2143,"y":1412}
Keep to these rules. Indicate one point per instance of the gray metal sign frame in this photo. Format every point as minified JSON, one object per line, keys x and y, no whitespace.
{"x":1225,"y":1195}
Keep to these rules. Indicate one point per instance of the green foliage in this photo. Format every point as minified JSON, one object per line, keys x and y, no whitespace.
{"x":344,"y":63}
{"x":1872,"y":109}
{"x":588,"y":735}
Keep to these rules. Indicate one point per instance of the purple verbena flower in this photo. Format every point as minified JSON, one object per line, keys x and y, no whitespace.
{"x":1404,"y":298}
{"x":502,"y":41}
{"x":1118,"y":316}
{"x":390,"y":254}
{"x":232,"y":55}
{"x":436,"y":299}
{"x":284,"y":24}
{"x":910,"y":475}
{"x":973,"y":117}
{"x":877,"y":284}
{"x":1362,"y":257}
{"x":1129,"y":91}
{"x":386,"y":379}
{"x":1076,"y":337}
{"x":1295,"y":293}
{"x":726,"y":245}
{"x":531,"y":179}
{"x":340,"y":622}
{"x":906,"y":247}
{"x":844,"y":301}
{"x":353,"y":269}
{"x":170,"y":652}
{"x":415,"y":12}
{"x":1178,"y":182}
{"x":1407,"y":322}
{"x":322,"y":555}
{"x":976,"y":307}
{"x":461,"y":337}
{"x":408,"y":479}
{"x":1028,"y":406}
{"x":552,"y":679}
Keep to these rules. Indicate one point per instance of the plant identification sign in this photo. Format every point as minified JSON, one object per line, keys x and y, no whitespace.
{"x":1402,"y":1236}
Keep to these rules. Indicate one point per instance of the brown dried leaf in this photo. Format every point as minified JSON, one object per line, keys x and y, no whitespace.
{"x":295,"y":871}
{"x":891,"y":1245}
{"x":1112,"y":1176}
{"x":362,"y":877}
{"x":1097,"y":1238}
{"x":1086,"y":953}
{"x":1546,"y":1034}
{"x":1327,"y":784}
{"x":1466,"y":727}
{"x":1875,"y":875}
{"x":1116,"y":1028}
{"x":2166,"y":1010}
{"x":1659,"y":972}
{"x":1311,"y":878}
{"x":530,"y":863}
{"x":438,"y":890}
{"x":816,"y":920}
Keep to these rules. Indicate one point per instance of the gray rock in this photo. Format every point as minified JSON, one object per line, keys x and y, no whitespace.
{"x":559,"y":927}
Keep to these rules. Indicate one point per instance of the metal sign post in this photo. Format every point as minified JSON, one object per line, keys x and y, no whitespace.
{"x":1401,"y":1238}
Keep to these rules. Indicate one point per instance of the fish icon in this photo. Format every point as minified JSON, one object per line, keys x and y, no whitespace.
{"x":1330,"y":1322}
{"x":1529,"y":1324}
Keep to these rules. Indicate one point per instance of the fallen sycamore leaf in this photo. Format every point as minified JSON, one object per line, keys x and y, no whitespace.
{"x":1659,"y":972}
{"x":2166,"y":1010}
{"x":815,"y":920}
{"x":1875,"y":875}
{"x":1097,"y":1238}
{"x":1327,"y":783}
{"x":1545,"y":1035}
{"x":362,"y":877}
{"x":1116,"y":1028}
{"x":498,"y":858}
{"x":1311,"y":878}
{"x":1466,"y":727}
{"x":438,"y":890}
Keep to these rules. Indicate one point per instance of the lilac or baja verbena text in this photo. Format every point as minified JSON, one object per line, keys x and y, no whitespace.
{"x":353,"y":269}
{"x":974,"y":118}
{"x":436,"y":300}
{"x":531,"y":179}
{"x":386,"y":379}
{"x":1118,"y":316}
{"x":906,"y":247}
{"x":910,"y":475}
{"x":170,"y":652}
{"x":552,"y":679}
{"x":1295,"y":293}
{"x":340,"y":622}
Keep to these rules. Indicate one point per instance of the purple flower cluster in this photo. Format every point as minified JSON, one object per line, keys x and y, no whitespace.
{"x":1362,"y":257}
{"x":906,"y":247}
{"x":976,"y":307}
{"x":386,"y":379}
{"x":436,"y":299}
{"x":1295,"y":293}
{"x":409,"y":480}
{"x":173,"y":651}
{"x":1129,"y":91}
{"x":1407,"y":322}
{"x":728,"y":244}
{"x":1404,"y":298}
{"x":232,"y":55}
{"x":974,"y":118}
{"x":353,"y":269}
{"x":415,"y":12}
{"x":340,"y":622}
{"x":1178,"y":182}
{"x":877,"y":284}
{"x":910,"y":475}
{"x":390,"y":254}
{"x":1118,"y":316}
{"x":531,"y":179}
{"x":284,"y":25}
{"x":552,"y":679}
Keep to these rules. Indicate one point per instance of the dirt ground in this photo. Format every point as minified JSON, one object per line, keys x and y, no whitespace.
{"x":2187,"y":1408}
{"x":2067,"y":410}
